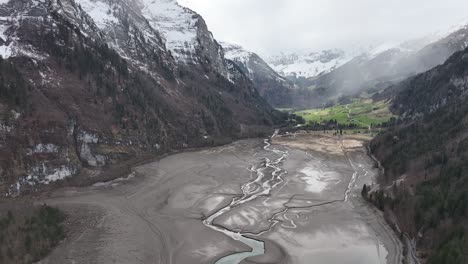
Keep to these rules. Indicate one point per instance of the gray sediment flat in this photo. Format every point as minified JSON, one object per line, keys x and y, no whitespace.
{"x":315,"y":215}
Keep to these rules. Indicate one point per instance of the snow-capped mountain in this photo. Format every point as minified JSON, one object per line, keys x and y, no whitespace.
{"x":308,"y":64}
{"x":100,"y":83}
{"x":177,"y":24}
{"x":238,"y":54}
{"x":276,"y":89}
{"x":184,"y":33}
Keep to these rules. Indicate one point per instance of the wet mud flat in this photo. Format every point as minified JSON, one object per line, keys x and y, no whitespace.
{"x":297,"y":195}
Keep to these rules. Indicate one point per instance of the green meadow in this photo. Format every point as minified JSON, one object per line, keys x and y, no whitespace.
{"x":361,"y":112}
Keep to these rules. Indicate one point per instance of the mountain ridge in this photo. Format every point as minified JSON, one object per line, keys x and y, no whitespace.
{"x":91,"y":99}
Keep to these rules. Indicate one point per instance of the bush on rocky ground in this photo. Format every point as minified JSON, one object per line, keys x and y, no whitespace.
{"x":26,"y":237}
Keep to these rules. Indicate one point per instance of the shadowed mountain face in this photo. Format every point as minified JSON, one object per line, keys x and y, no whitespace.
{"x":87,"y":85}
{"x":426,"y":159}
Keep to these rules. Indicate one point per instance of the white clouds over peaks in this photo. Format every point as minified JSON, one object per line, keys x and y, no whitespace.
{"x":271,"y":26}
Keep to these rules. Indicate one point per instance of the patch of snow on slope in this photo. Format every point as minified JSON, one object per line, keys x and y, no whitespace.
{"x":58,"y":174}
{"x":236,"y":52}
{"x":43,"y":149}
{"x":41,"y":174}
{"x":2,"y":2}
{"x":15,"y":49}
{"x":5,"y":52}
{"x":5,"y":49}
{"x":176,"y":23}
{"x":99,"y":11}
{"x":45,"y":175}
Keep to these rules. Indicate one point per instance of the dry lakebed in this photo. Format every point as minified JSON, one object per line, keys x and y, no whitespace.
{"x":287,"y":199}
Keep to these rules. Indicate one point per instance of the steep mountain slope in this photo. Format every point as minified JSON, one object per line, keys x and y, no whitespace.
{"x":89,"y":85}
{"x":376,"y":70}
{"x":277,"y":90}
{"x":426,"y":161}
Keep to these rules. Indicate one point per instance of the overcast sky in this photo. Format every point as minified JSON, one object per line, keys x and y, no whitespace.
{"x":272,"y":26}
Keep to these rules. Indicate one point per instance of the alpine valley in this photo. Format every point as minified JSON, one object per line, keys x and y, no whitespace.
{"x":129,"y":134}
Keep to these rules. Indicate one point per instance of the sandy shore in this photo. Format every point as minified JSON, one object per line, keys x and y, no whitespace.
{"x":156,"y":216}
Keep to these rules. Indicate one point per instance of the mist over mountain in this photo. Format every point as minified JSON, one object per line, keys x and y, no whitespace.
{"x":384,"y":66}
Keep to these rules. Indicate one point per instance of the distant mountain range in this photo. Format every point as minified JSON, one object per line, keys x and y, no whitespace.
{"x":279,"y":91}
{"x":314,"y":79}
{"x":308,"y":64}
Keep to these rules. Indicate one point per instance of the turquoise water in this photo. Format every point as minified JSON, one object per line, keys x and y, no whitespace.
{"x":258,"y":248}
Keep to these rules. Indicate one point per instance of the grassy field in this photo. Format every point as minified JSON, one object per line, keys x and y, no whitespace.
{"x":362,"y":112}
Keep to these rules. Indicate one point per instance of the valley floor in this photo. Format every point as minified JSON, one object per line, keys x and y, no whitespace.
{"x":361,"y":113}
{"x":307,"y":208}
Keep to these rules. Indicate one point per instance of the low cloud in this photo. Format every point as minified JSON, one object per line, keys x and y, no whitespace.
{"x":272,"y":26}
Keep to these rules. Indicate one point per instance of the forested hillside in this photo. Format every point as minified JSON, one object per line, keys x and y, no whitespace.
{"x":425,"y":157}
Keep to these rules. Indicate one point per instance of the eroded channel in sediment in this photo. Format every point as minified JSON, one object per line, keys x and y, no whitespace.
{"x":262,"y":185}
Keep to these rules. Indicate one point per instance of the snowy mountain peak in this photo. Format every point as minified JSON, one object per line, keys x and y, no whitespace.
{"x":236,"y":52}
{"x":177,"y":24}
{"x":156,"y":26}
{"x":185,"y":33}
{"x":101,"y":12}
{"x":308,"y":64}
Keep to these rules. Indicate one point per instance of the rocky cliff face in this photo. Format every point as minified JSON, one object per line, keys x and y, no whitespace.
{"x":88,"y":86}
